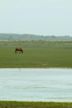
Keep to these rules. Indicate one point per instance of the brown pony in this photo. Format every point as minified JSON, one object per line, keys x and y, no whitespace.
{"x":20,"y":50}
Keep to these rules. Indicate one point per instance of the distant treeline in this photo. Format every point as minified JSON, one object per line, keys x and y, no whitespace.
{"x":29,"y":37}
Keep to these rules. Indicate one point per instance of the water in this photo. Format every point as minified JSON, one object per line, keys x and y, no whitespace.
{"x":36,"y":84}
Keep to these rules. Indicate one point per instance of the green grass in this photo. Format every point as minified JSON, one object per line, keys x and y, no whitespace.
{"x":13,"y":104}
{"x":36,"y":54}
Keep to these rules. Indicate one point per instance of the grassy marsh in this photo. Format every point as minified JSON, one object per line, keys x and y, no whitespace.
{"x":36,"y":54}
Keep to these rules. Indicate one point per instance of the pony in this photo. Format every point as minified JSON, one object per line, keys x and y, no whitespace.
{"x":20,"y":50}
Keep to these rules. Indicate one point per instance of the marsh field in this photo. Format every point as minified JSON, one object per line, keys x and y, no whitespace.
{"x":36,"y":54}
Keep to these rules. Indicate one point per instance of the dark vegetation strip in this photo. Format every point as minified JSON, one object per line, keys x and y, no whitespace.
{"x":14,"y":104}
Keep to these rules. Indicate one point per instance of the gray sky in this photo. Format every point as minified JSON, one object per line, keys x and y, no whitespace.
{"x":45,"y":17}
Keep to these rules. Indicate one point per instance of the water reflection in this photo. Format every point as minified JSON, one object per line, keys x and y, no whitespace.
{"x":36,"y":84}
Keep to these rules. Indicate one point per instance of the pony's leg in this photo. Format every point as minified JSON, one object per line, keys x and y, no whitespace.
{"x":22,"y":51}
{"x":15,"y":51}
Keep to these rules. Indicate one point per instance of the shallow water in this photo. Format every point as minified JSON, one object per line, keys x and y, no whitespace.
{"x":36,"y":84}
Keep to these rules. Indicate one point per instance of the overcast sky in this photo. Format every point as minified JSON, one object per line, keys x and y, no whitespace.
{"x":44,"y":17}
